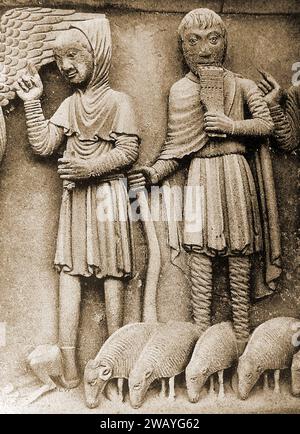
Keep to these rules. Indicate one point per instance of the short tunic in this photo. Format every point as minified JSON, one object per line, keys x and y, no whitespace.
{"x":227,"y":219}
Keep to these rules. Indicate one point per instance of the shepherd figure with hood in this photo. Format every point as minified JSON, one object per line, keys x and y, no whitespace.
{"x":96,"y":127}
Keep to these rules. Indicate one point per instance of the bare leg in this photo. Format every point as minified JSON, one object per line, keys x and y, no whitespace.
{"x":277,"y":381}
{"x":266,"y":382}
{"x":201,"y":278}
{"x":239,"y":273}
{"x":211,"y":385}
{"x":172,"y":389}
{"x":69,"y":312}
{"x":114,"y":304}
{"x":221,"y":385}
{"x":163,"y":391}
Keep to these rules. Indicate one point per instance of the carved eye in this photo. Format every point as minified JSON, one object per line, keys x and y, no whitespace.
{"x":249,"y":375}
{"x":137,"y":386}
{"x":71,"y":54}
{"x":193,"y":379}
{"x":214,"y":40}
{"x":193,"y":40}
{"x":106,"y":371}
{"x":93,"y":382}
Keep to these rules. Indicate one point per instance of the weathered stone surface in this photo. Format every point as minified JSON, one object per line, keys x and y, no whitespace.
{"x":146,"y":62}
{"x":261,"y":7}
{"x":181,"y":6}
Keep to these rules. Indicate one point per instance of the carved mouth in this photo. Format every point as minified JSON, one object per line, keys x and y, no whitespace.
{"x":72,"y":74}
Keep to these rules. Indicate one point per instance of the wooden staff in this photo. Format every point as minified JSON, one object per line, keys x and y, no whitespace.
{"x":154,"y":256}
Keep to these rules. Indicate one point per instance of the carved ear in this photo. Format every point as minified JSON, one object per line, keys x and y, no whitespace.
{"x":204,"y":371}
{"x":148,"y":373}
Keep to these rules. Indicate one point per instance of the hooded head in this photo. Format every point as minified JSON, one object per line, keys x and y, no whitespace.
{"x":83,"y":53}
{"x":248,"y":374}
{"x":203,"y":37}
{"x":96,"y":375}
{"x":196,"y":377}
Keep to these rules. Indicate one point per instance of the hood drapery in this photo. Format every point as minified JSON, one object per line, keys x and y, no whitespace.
{"x":97,"y":111}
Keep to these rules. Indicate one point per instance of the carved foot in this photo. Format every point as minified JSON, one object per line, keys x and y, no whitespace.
{"x":172,"y":395}
{"x":163,"y":390}
{"x":221,"y":394}
{"x":277,"y":381}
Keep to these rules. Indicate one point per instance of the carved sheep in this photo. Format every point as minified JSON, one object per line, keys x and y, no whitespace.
{"x":215,"y":351}
{"x":115,"y":359}
{"x":165,"y":355}
{"x":270,"y":347}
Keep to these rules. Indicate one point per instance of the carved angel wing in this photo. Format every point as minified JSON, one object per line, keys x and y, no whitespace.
{"x":27,"y":36}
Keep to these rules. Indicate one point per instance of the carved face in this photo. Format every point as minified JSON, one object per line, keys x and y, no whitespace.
{"x":195,"y":377}
{"x":139,"y":382}
{"x":203,"y":47}
{"x":96,"y":375}
{"x":248,"y":375}
{"x":74,"y":57}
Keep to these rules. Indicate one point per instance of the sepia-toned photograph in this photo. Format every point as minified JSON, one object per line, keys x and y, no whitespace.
{"x":149,"y":218}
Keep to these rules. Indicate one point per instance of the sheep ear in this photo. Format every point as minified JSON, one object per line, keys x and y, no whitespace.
{"x":148,"y":373}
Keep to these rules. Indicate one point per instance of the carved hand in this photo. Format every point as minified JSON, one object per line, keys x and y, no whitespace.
{"x":270,"y":89}
{"x":74,"y":168}
{"x":29,"y":86}
{"x":217,"y":123}
{"x":140,"y":177}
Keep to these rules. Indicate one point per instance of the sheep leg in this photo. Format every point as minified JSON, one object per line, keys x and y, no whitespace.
{"x":171,"y":389}
{"x":277,"y":381}
{"x":163,"y":391}
{"x":221,"y":394}
{"x":266,"y":382}
{"x":120,"y":389}
{"x":234,"y":383}
{"x":211,"y":385}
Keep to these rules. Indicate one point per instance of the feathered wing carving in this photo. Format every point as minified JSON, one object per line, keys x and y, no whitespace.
{"x":27,"y":36}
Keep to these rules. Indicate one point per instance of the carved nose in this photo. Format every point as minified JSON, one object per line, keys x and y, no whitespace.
{"x":66,"y":66}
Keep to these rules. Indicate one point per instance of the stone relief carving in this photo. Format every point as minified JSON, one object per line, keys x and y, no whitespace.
{"x":229,"y":222}
{"x":285,"y":111}
{"x":215,"y":117}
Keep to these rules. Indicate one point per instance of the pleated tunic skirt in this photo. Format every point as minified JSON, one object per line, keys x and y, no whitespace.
{"x":95,"y":233}
{"x":221,"y":213}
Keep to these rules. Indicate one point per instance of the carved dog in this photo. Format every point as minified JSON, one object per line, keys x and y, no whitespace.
{"x":269,"y":348}
{"x":215,"y":351}
{"x":115,"y":359}
{"x":165,"y":355}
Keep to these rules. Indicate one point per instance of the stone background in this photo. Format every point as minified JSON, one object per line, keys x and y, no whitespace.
{"x":146,"y":61}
